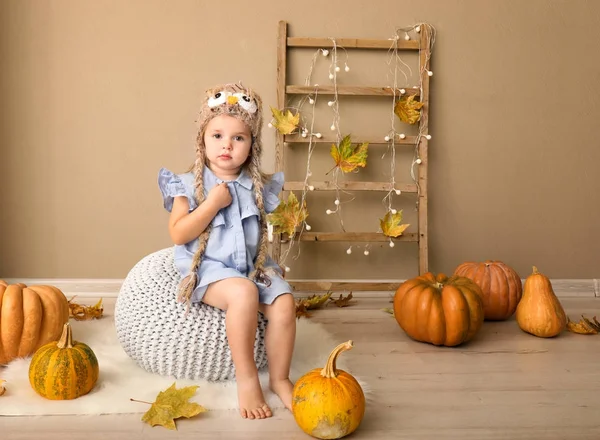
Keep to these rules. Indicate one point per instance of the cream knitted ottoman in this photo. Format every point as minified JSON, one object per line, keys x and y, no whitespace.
{"x":155,"y":331}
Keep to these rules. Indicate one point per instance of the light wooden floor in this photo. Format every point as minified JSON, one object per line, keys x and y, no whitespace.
{"x":503,"y":385}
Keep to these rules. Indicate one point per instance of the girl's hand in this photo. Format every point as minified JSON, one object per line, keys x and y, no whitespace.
{"x":219,"y":196}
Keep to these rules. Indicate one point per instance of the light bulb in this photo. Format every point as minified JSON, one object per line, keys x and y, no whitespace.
{"x":402,"y":136}
{"x":392,"y":244}
{"x":270,"y":125}
{"x":287,"y":268}
{"x":418,"y":29}
{"x":328,"y":212}
{"x":330,"y":103}
{"x":398,"y":192}
{"x":331,"y":76}
{"x":311,"y":188}
{"x":428,"y":136}
{"x":349,"y":251}
{"x":337,"y":68}
{"x":430,"y":73}
{"x":366,"y":252}
{"x":402,"y":91}
{"x":303,"y":134}
{"x":406,"y":37}
{"x":418,"y":161}
{"x":311,"y":101}
{"x":318,"y":135}
{"x":394,"y":211}
{"x":325,"y":52}
{"x":387,"y":138}
{"x":332,"y":128}
{"x":308,"y":228}
{"x":336,"y":202}
{"x":347,"y":69}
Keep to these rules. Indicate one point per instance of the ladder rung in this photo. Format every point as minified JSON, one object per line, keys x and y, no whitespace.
{"x":408,"y":140}
{"x":352,"y":43}
{"x":337,"y":286}
{"x":352,"y":236}
{"x":350,"y":186}
{"x":349,"y":90}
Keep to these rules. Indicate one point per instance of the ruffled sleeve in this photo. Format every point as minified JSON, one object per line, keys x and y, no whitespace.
{"x":271,"y":191}
{"x":172,"y":185}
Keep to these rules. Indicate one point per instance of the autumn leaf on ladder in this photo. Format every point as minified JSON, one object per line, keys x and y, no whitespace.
{"x":288,"y":215}
{"x":348,"y":158}
{"x":408,"y":110}
{"x":285,"y":122}
{"x":391,"y":224}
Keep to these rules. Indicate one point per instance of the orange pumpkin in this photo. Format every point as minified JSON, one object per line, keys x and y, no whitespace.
{"x":501,"y":286}
{"x":328,"y":403}
{"x":439,"y":310}
{"x":29,"y":318}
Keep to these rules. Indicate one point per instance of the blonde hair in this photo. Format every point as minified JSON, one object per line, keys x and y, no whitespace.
{"x":252,"y":167}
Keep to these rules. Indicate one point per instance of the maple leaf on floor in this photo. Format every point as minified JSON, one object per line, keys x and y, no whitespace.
{"x":301,"y":310}
{"x":84,"y":313}
{"x":288,"y":215}
{"x":408,"y":110}
{"x":584,"y":326}
{"x":172,"y":404}
{"x":348,"y":158}
{"x":285,"y":122}
{"x":344,"y":301}
{"x":391,"y":224}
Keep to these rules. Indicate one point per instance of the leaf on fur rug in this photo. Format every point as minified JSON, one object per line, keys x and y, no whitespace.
{"x":171,"y":404}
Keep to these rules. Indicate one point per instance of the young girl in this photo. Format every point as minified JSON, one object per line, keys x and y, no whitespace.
{"x":219,"y":227}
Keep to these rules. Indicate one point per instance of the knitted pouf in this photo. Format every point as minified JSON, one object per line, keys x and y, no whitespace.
{"x":155,"y":330}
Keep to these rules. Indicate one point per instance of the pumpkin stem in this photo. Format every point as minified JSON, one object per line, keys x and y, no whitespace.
{"x":66,"y":339}
{"x":535,"y":270}
{"x":330,"y":371}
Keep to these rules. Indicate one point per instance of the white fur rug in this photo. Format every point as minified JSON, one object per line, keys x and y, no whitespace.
{"x":121,"y":378}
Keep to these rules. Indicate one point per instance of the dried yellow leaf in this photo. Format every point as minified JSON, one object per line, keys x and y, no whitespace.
{"x":348,"y":158}
{"x":2,"y":387}
{"x":172,"y":404}
{"x":84,"y":313}
{"x":288,"y":215}
{"x":408,"y":110}
{"x":391,"y":224}
{"x":581,"y":327}
{"x":285,"y":122}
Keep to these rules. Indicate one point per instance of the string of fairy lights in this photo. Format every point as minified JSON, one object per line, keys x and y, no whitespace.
{"x":306,"y":128}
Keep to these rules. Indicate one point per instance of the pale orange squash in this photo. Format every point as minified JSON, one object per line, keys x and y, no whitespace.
{"x":328,"y":403}
{"x":30,"y":316}
{"x":64,"y":369}
{"x":540,"y":312}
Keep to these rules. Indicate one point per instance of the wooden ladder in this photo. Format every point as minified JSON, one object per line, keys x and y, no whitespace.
{"x":286,"y":42}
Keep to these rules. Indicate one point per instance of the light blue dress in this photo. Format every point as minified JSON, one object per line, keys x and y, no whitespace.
{"x":233,"y":242}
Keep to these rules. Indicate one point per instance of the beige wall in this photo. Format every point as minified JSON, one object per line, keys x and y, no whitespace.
{"x":96,"y":96}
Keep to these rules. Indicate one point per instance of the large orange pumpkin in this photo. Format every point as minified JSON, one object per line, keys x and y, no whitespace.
{"x":439,"y":310}
{"x":29,"y":318}
{"x":501,"y":286}
{"x":328,"y":403}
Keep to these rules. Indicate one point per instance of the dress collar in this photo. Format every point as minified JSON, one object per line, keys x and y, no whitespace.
{"x":210,"y":179}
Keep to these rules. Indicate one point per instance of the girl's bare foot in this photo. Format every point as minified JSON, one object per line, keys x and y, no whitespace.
{"x":283,"y":388}
{"x":251,"y":400}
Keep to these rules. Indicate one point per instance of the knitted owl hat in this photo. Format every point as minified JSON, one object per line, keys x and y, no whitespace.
{"x":239,"y":102}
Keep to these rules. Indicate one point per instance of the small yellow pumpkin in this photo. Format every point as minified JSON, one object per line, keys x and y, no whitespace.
{"x":63,"y":370}
{"x":328,"y":403}
{"x":29,"y":318}
{"x":540,"y":312}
